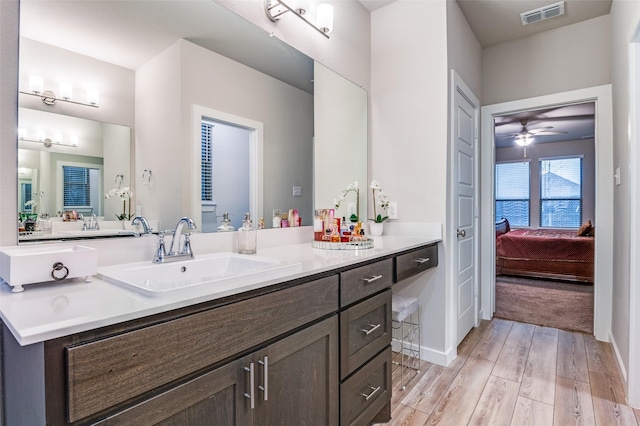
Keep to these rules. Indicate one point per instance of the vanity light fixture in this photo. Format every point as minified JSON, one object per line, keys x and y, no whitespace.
{"x":36,"y":88}
{"x":324,"y":21}
{"x":43,"y":139}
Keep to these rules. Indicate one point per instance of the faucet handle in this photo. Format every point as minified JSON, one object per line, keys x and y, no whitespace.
{"x":186,"y":249}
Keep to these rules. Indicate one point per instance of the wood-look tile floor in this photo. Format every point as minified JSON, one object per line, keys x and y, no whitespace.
{"x":510,"y":373}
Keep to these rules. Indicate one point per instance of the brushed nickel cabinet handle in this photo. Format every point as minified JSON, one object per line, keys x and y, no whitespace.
{"x":422,"y":260}
{"x":265,"y":377}
{"x":371,"y":330}
{"x":373,"y":392}
{"x":252,"y":383}
{"x":372,"y":278}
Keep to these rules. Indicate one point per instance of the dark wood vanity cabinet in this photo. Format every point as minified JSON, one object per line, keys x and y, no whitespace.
{"x":311,"y":351}
{"x":292,"y":381}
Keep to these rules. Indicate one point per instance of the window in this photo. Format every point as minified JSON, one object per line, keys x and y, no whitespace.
{"x":512,"y":193}
{"x":561,"y":192}
{"x":207,"y":162}
{"x":80,"y":188}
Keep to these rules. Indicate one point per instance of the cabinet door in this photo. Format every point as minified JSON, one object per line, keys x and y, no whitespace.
{"x":297,"y":378}
{"x":214,"y":398}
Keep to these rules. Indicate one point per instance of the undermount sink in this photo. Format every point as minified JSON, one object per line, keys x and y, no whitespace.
{"x":215,"y":272}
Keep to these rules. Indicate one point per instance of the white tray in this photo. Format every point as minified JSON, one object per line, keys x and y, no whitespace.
{"x":47,"y":263}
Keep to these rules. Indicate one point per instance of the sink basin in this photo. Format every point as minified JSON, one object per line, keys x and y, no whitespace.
{"x":213,"y":272}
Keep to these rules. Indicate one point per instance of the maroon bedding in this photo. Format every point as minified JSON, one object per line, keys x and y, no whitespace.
{"x":545,"y":253}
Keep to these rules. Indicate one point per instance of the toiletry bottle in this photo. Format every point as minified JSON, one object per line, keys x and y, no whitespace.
{"x":345,"y":233}
{"x":335,"y":231}
{"x":277,"y":220}
{"x":318,"y":225}
{"x":284,"y":221}
{"x":247,"y":236}
{"x":226,"y":223}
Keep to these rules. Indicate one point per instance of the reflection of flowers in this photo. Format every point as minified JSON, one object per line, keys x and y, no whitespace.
{"x":379,"y":198}
{"x":353,"y":187}
{"x":125,"y":195}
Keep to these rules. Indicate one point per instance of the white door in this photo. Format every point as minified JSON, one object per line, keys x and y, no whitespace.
{"x":465,"y":129}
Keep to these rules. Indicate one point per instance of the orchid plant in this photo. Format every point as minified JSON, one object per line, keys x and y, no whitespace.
{"x":379,"y":198}
{"x":353,"y":187}
{"x":125,"y":194}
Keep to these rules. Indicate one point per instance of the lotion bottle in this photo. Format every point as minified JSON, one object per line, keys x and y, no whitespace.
{"x":247,"y":236}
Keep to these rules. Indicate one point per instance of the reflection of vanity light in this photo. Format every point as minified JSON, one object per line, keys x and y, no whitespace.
{"x":36,"y":84}
{"x":66,"y":90}
{"x":43,"y":139}
{"x":324,"y":23}
{"x":92,"y":97}
{"x":36,"y":88}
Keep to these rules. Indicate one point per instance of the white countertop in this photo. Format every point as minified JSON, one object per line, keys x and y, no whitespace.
{"x":51,"y":310}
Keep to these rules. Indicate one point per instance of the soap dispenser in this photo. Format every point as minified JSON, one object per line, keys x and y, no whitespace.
{"x":226,"y":223}
{"x":247,"y":236}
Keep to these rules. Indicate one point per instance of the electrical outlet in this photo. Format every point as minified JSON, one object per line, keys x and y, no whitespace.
{"x":392,"y":211}
{"x":351,"y":209}
{"x":297,"y":191}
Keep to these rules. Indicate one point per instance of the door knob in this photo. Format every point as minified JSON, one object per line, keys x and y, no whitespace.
{"x":461,"y":233}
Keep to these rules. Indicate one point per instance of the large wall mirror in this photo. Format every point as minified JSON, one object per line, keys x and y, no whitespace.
{"x":165,"y":70}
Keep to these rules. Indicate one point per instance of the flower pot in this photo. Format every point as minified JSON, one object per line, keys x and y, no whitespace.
{"x":376,"y":228}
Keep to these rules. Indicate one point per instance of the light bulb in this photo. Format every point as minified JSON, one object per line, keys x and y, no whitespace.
{"x":22,"y":133}
{"x":36,"y":84}
{"x":66,"y":89}
{"x":325,"y":17}
{"x":92,"y":96}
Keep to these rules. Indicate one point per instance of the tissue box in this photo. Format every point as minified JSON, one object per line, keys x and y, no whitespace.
{"x":46,"y":263}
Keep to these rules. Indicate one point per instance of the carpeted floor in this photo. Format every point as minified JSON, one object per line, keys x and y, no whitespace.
{"x":558,"y":304}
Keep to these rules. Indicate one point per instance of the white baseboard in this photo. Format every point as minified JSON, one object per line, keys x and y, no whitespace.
{"x":427,"y":354}
{"x":621,"y":368}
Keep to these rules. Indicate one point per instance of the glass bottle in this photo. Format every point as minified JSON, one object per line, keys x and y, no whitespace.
{"x":277,"y":220}
{"x":247,"y":236}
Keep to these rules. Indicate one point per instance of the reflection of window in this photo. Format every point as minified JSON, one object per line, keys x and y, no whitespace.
{"x":80,"y":188}
{"x":561,"y":192}
{"x":512,"y":192}
{"x":25,"y":190}
{"x":207,"y":162}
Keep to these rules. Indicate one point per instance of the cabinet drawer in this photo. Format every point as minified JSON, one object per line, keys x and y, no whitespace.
{"x":107,"y":372}
{"x":416,"y":261}
{"x":367,"y":391}
{"x":365,"y":329}
{"x":361,"y":282}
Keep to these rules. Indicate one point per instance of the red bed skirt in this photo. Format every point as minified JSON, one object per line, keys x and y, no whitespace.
{"x":545,"y":253}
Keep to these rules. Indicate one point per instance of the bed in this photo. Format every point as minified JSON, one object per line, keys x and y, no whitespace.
{"x":544,"y":253}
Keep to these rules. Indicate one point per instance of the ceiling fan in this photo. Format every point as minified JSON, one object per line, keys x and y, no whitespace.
{"x":525,"y":136}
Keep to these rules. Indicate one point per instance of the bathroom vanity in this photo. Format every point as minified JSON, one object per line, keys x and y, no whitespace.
{"x":310,"y":348}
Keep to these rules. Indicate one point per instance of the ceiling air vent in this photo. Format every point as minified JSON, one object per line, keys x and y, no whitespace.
{"x":542,"y":13}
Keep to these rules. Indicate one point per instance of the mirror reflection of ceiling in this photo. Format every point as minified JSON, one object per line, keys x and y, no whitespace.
{"x":146,"y":28}
{"x":557,"y":124}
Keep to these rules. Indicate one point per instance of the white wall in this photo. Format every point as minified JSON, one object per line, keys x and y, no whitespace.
{"x":625,"y":16}
{"x":585,"y":148}
{"x":409,"y":122}
{"x":572,"y":57}
{"x":464,"y":51}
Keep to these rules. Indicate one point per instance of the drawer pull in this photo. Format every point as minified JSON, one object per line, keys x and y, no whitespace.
{"x":373,"y":392}
{"x":372,"y":278}
{"x":372,"y":329}
{"x":252,"y":383}
{"x":422,"y":260}
{"x":265,"y":377}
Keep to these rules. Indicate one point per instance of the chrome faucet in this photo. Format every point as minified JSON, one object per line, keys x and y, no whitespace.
{"x":93,"y":224}
{"x":146,"y":229}
{"x":181,"y":253}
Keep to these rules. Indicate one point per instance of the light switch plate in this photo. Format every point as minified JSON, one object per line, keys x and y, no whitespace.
{"x":392,"y":211}
{"x":297,"y":191}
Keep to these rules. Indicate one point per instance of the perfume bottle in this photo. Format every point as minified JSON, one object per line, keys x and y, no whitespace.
{"x":247,"y":236}
{"x":277,"y":220}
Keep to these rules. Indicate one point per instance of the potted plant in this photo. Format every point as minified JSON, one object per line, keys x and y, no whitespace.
{"x":376,"y":227}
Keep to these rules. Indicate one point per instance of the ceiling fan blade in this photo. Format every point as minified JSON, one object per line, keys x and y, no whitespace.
{"x":549,"y":133}
{"x":537,"y":130}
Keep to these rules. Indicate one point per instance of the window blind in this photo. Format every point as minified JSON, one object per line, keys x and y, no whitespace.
{"x":77,"y":186}
{"x":561,"y":192}
{"x":207,"y":162}
{"x":512,"y":192}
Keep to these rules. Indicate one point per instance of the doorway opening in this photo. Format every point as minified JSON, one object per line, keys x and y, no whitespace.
{"x":603,"y":242}
{"x":227,"y":175}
